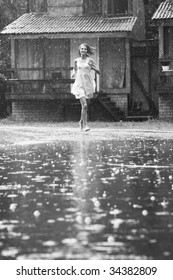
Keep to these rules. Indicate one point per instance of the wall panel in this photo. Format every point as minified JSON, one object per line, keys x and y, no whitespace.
{"x":112,"y":63}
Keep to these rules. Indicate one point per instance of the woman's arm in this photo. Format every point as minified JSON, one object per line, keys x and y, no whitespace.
{"x":94,"y":67}
{"x":73,"y":76}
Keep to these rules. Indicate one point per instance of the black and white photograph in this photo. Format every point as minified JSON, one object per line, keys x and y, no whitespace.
{"x":86,"y":131}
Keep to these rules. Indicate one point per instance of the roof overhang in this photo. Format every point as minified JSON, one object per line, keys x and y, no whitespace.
{"x":164,"y":13}
{"x":42,"y":25}
{"x":72,"y":36}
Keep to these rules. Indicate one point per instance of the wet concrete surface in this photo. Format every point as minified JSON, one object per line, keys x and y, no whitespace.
{"x":87,"y":198}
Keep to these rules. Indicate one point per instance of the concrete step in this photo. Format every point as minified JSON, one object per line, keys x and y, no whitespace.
{"x":139,"y":118}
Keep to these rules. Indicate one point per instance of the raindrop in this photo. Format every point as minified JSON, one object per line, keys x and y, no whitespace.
{"x":79,"y":219}
{"x":9,"y":252}
{"x":110,"y":239}
{"x":104,"y":194}
{"x":12,"y":195}
{"x":137,"y":206}
{"x":69,"y":241}
{"x":144,"y":212}
{"x":164,"y":203}
{"x":24,"y":193}
{"x":51,"y":221}
{"x":153,"y":241}
{"x":13,"y":207}
{"x":115,"y":212}
{"x":88,"y":220}
{"x":36,"y":213}
{"x":116,"y":223}
{"x":152,"y":198}
{"x":96,"y":203}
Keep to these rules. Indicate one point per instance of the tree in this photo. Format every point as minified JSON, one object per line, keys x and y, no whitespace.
{"x":9,"y":11}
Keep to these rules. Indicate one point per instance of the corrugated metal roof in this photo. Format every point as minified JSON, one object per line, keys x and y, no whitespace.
{"x":164,"y":11}
{"x":34,"y":23}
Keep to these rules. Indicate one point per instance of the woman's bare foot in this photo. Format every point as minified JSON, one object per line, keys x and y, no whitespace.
{"x":86,"y":128}
{"x":81,"y":125}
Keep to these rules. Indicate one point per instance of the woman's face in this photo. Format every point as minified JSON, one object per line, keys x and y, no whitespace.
{"x":83,"y":50}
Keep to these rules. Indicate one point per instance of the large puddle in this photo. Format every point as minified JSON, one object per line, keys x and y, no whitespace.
{"x":87,"y":200}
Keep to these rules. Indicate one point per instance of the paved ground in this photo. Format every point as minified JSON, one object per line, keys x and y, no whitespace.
{"x":22,"y":133}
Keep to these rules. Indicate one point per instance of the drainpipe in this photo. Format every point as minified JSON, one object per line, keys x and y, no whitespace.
{"x":28,"y":6}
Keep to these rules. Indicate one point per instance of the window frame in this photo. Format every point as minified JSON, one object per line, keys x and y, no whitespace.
{"x":90,"y":10}
{"x":111,"y":4}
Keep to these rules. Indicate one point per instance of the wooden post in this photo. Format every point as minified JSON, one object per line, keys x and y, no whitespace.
{"x":12,"y":53}
{"x":161,"y":42}
{"x":161,"y":54}
{"x":12,"y":61}
{"x":28,"y":6}
{"x":104,"y":7}
{"x":128,"y":65}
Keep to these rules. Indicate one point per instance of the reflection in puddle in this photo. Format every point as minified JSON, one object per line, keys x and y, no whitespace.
{"x":87,"y":200}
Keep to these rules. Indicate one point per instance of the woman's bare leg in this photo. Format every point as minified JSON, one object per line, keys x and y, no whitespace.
{"x":84,"y":109}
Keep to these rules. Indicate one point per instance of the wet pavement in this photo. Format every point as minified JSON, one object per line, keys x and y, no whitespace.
{"x":87,"y":199}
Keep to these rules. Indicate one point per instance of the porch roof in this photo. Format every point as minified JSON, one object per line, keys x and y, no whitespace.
{"x":39,"y":23}
{"x":164,"y":11}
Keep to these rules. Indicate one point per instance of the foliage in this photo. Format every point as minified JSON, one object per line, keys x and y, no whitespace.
{"x":3,"y":82}
{"x":2,"y":77}
{"x":9,"y":11}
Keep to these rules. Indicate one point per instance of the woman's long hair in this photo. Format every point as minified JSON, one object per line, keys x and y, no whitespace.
{"x":90,"y":50}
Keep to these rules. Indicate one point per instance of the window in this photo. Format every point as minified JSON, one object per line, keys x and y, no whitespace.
{"x":168,"y":42}
{"x":117,"y":7}
{"x":92,"y":7}
{"x":37,"y":6}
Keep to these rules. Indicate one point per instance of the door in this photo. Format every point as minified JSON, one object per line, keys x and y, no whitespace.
{"x":143,"y":95}
{"x":112,"y":63}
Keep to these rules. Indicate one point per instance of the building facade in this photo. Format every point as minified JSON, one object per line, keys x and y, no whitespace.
{"x":44,"y":44}
{"x":163,"y":18}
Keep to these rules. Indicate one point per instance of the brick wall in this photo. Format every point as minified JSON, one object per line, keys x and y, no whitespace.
{"x":166,"y":106}
{"x":55,"y":110}
{"x":121,"y":101}
{"x":37,"y":110}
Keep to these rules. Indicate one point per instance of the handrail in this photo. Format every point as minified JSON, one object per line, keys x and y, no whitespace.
{"x":58,"y":80}
{"x":16,"y":81}
{"x":55,"y":72}
{"x":39,"y":69}
{"x":166,"y":73}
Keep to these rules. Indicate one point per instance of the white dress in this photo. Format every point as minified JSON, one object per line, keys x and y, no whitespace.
{"x":84,"y":85}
